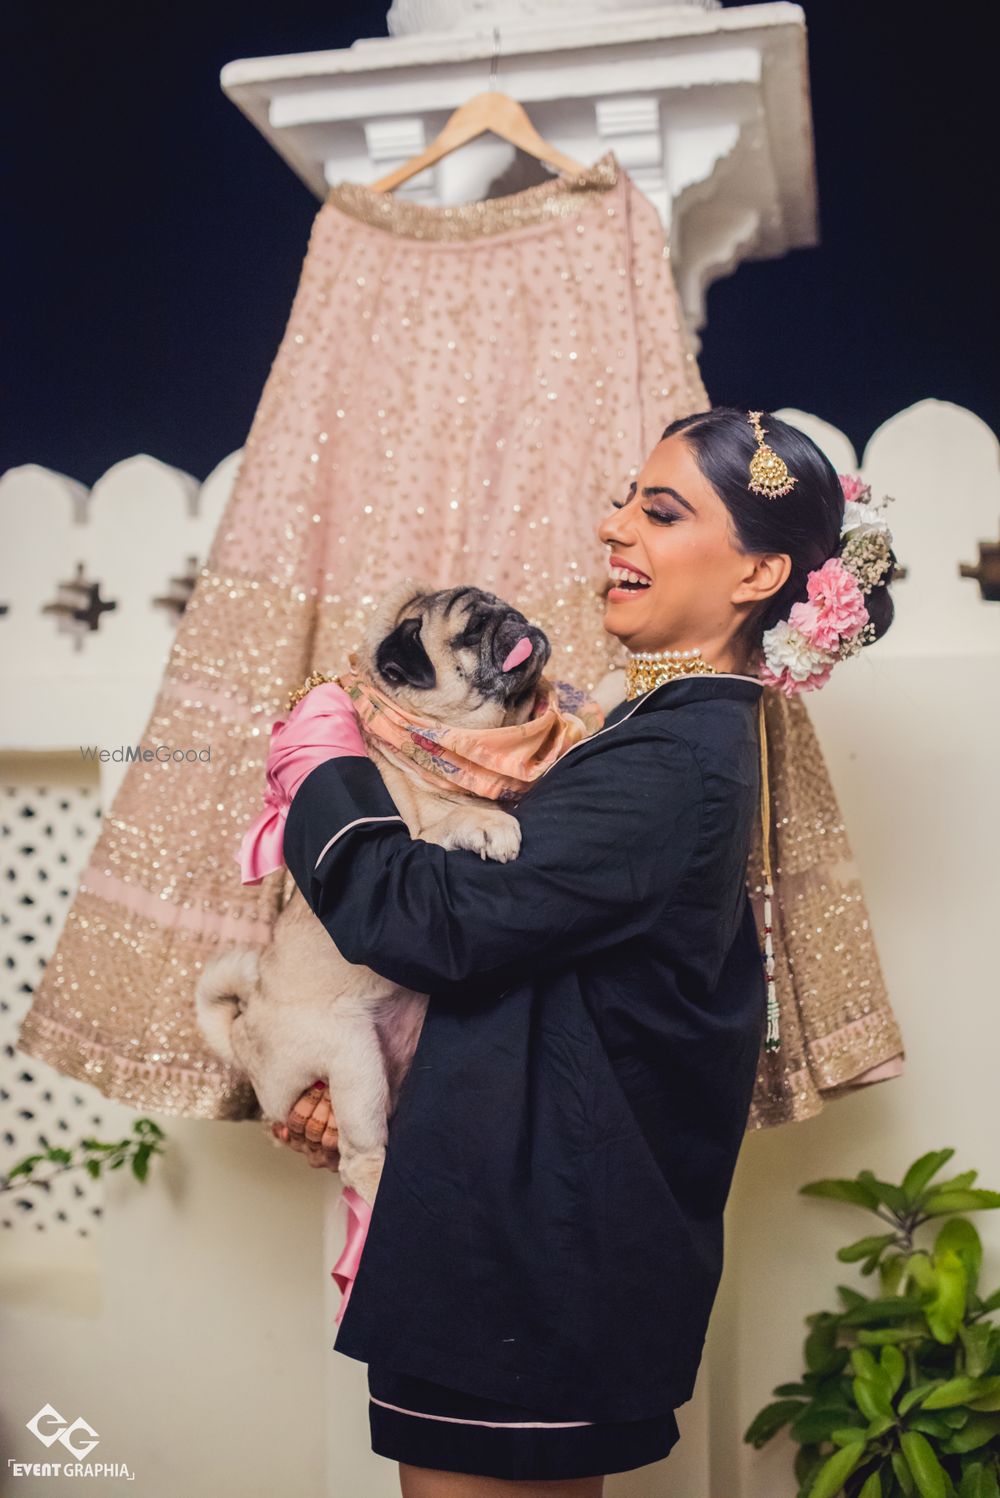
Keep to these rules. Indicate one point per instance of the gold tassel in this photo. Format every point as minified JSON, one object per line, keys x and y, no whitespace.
{"x":772,"y":1039}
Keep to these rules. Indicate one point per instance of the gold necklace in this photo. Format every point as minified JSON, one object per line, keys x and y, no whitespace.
{"x":646,"y":669}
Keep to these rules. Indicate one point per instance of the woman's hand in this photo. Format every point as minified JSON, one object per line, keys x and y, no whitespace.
{"x":311,"y":1129}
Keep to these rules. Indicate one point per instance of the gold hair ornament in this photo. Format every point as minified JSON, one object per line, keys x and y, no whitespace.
{"x":769,"y":474}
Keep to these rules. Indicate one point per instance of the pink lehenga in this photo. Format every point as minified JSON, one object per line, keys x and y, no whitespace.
{"x":458,"y":394}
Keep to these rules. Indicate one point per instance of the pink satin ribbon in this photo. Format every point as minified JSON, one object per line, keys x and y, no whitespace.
{"x":323,"y":725}
{"x":346,"y":1268}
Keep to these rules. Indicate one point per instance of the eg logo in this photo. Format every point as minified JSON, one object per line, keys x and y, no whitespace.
{"x":49,"y":1426}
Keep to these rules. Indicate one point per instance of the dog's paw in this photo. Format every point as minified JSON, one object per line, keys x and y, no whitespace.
{"x":363,"y":1173}
{"x":499,"y":837}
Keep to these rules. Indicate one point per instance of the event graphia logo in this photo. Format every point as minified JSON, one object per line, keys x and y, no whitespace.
{"x":58,"y":1429}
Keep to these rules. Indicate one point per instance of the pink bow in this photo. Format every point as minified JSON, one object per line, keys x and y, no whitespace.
{"x":322,"y":725}
{"x":346,"y":1268}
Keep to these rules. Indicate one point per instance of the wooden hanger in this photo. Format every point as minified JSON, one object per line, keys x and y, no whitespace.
{"x":491,"y":111}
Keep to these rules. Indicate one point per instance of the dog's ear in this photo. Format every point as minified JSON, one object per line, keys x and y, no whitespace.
{"x":401,"y":657}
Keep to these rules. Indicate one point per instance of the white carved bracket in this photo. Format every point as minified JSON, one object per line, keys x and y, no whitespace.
{"x":707,"y":109}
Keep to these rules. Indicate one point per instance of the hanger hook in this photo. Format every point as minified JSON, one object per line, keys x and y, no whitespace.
{"x":495,"y":58}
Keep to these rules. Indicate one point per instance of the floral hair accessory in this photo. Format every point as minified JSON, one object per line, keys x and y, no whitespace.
{"x":833,"y":623}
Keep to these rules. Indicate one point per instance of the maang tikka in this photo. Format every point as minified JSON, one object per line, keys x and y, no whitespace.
{"x":769,"y":474}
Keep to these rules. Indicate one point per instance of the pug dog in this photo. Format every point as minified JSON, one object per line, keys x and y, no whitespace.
{"x":299,"y":1010}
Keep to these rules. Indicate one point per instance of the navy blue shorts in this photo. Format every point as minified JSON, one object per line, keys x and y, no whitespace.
{"x":427,"y":1425}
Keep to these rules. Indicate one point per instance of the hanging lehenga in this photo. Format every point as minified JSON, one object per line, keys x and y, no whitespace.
{"x":458,"y":395}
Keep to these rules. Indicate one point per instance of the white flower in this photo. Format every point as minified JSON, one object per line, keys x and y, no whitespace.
{"x":866,"y":517}
{"x":786,"y":647}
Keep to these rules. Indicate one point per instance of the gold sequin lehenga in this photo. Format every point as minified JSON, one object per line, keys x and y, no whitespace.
{"x":458,"y":393}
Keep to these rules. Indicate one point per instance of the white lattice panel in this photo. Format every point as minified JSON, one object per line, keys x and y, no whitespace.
{"x":47,"y":828}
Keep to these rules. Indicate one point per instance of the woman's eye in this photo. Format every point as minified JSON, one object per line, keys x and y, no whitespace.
{"x":663,"y":516}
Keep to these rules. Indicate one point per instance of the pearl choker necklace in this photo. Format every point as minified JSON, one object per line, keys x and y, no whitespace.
{"x":646,"y":669}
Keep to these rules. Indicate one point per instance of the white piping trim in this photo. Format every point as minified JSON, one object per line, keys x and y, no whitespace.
{"x":732,"y":675}
{"x":494,"y":1424}
{"x":394,"y":817}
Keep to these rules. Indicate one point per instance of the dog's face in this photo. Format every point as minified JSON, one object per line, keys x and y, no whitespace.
{"x":441,"y":654}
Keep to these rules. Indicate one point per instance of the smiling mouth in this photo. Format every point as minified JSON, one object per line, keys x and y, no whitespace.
{"x":625,"y":584}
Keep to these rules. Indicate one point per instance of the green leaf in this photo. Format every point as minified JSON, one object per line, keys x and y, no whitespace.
{"x":978,"y":1341}
{"x":871,"y":1487}
{"x":865,"y":1246}
{"x":928,"y":1473}
{"x":977,"y":1430}
{"x":884,"y":1308}
{"x":93,"y":1168}
{"x":805,"y":1464}
{"x":803,"y":1389}
{"x":834,"y":1473}
{"x":991,"y":1302}
{"x":920,"y":1269}
{"x":818,"y":1420}
{"x":917,"y":1393}
{"x":890,"y":1335}
{"x":931,"y":1425}
{"x":140,"y":1166}
{"x":848,"y":1435}
{"x":864,"y":1364}
{"x":852,"y":1297}
{"x":58,"y":1156}
{"x":842,"y":1191}
{"x":939,"y":1202}
{"x":891,"y":1272}
{"x":960,"y":1234}
{"x":903,"y":1474}
{"x":921,"y":1171}
{"x":821,"y":1344}
{"x":893,"y":1365}
{"x":961,"y":1390}
{"x":871,"y":1399}
{"x":770,"y":1420}
{"x":946,"y":1309}
{"x":24,"y":1167}
{"x":956,"y":1183}
{"x":978,"y":1482}
{"x":889,"y":1195}
{"x":879,"y":1426}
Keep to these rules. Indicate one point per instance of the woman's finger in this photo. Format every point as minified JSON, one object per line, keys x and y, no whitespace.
{"x":317,"y":1124}
{"x":302,"y":1111}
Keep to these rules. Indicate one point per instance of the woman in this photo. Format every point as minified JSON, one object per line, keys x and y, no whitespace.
{"x":546,"y":1242}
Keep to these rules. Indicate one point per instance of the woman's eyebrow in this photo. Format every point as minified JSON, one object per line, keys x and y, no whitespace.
{"x":665,"y":489}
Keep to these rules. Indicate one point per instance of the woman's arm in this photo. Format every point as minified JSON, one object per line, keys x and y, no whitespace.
{"x":604,"y":844}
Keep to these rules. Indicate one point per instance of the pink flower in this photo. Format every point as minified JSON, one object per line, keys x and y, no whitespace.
{"x":790,"y":685}
{"x":839,"y":605}
{"x":856,"y":491}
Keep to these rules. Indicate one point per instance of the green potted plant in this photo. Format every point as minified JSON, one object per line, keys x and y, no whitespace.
{"x":901,"y":1393}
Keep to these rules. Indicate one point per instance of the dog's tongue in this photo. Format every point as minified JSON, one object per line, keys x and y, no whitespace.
{"x":519,"y":653}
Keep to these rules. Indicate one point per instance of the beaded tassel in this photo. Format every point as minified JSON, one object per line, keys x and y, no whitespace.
{"x":772,"y":1039}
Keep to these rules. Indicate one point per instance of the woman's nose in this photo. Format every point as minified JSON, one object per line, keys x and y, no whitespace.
{"x":611,"y":528}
